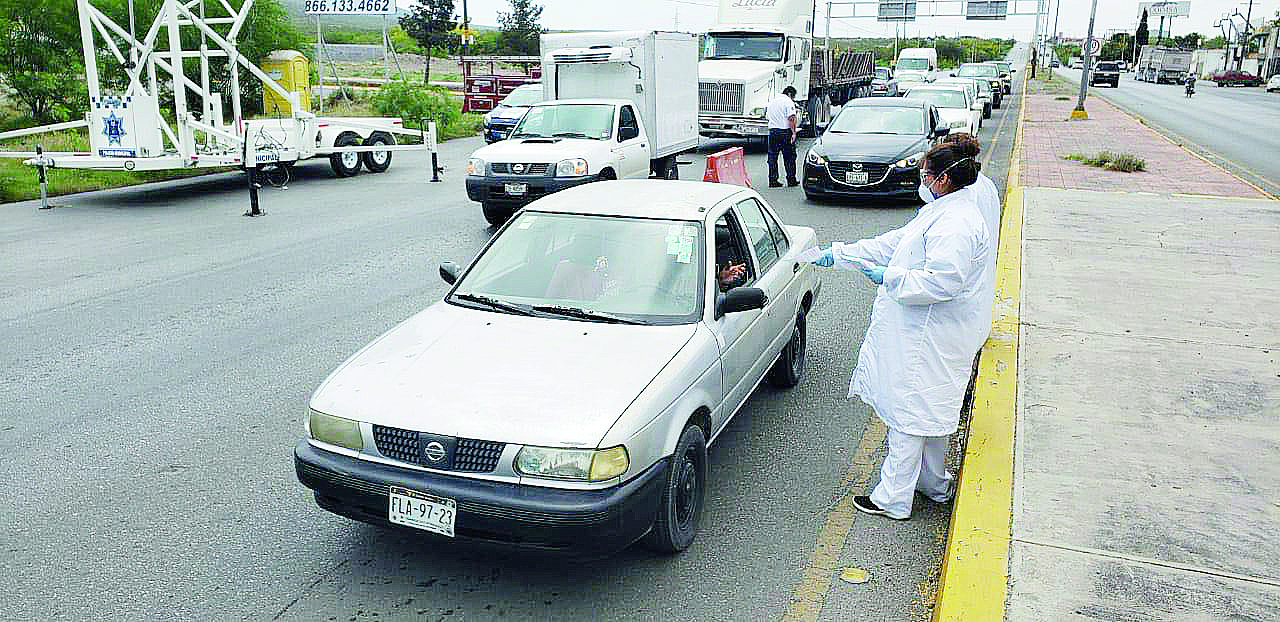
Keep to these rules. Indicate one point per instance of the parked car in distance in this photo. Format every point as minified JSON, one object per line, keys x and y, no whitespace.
{"x":1274,"y":83}
{"x":563,"y":393}
{"x":1105,"y":72}
{"x":499,"y":121}
{"x":873,"y":149}
{"x":987,"y":71}
{"x":1232,"y":77}
{"x":960,"y":111}
{"x":1055,"y":63}
{"x":884,"y":84}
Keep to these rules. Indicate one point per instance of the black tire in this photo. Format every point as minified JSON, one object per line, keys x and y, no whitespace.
{"x":986,"y":111}
{"x":789,"y":368}
{"x":496,"y":214}
{"x":999,"y":101}
{"x":377,"y":161}
{"x":667,"y":169}
{"x":606,"y":175}
{"x":683,"y":492}
{"x":346,"y":164}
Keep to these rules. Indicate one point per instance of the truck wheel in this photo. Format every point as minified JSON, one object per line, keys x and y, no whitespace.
{"x":667,"y":168}
{"x":347,"y":163}
{"x":377,"y":161}
{"x":496,"y":214}
{"x":606,"y":175}
{"x":680,"y":503}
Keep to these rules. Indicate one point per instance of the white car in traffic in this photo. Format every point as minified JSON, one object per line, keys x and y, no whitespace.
{"x":960,"y":111}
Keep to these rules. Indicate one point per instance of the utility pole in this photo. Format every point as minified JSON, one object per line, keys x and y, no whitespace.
{"x":1079,"y":114}
{"x":1248,"y":29}
{"x":466,"y":31}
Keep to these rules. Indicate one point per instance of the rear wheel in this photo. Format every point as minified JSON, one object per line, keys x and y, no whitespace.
{"x":666,"y":168}
{"x":680,"y":505}
{"x":788,"y":369}
{"x":377,"y":161}
{"x":347,"y":163}
{"x":496,"y":214}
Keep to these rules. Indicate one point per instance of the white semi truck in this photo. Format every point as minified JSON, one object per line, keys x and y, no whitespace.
{"x":759,"y":47}
{"x":618,"y":105}
{"x":1159,"y":65}
{"x":127,"y":130}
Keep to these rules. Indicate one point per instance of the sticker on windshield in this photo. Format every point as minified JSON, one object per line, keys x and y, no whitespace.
{"x":526,"y":222}
{"x":685,"y":255}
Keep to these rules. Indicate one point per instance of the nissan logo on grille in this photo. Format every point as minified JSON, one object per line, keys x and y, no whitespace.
{"x":434,"y":451}
{"x":518,"y":168}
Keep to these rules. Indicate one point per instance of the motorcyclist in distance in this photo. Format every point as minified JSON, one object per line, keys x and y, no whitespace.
{"x":1191,"y":84}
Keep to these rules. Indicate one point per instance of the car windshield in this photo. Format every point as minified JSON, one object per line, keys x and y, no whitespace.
{"x":877,"y":120}
{"x":913,"y":64}
{"x":743,"y":45}
{"x":594,"y":121}
{"x":939,"y":97}
{"x":640,"y":269}
{"x":1004,"y":67}
{"x":882,"y":73}
{"x":524,"y":96}
{"x":982,"y":71}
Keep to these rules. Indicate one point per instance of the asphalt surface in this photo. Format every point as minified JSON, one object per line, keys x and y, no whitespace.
{"x":160,"y":349}
{"x":1235,"y":127}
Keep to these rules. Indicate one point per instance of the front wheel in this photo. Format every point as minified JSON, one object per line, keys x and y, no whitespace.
{"x":346,"y":163}
{"x":496,"y":214}
{"x":786,"y":372}
{"x":680,"y":506}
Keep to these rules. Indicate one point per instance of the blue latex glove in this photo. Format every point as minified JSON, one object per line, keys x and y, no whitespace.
{"x":876,"y":274}
{"x":826,"y":260}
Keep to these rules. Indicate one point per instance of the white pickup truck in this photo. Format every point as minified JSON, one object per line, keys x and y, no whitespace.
{"x":620,"y":105}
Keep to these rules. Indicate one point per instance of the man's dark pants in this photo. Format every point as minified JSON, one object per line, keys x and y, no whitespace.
{"x":780,"y":140}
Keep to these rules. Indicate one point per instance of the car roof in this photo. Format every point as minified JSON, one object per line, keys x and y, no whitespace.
{"x":615,"y":102}
{"x":886,"y":102}
{"x":645,"y":198}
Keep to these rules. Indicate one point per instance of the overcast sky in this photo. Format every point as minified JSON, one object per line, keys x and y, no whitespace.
{"x":699,"y":15}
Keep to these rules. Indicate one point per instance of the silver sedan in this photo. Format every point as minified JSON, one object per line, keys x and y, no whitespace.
{"x":563,"y":394}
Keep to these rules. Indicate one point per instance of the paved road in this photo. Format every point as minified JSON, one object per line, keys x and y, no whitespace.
{"x":1236,"y":127}
{"x":159,"y":352}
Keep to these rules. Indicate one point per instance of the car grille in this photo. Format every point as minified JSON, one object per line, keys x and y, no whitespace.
{"x":508,"y":168}
{"x":875,"y":171}
{"x":470,"y":455}
{"x":720,"y":98}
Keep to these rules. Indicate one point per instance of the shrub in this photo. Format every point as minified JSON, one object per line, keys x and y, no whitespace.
{"x":412,"y":102}
{"x":1124,"y":162}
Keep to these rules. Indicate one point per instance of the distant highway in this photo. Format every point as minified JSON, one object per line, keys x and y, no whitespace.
{"x":1235,"y":127}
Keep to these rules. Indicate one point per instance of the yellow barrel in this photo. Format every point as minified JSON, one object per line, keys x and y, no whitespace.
{"x":289,"y":69}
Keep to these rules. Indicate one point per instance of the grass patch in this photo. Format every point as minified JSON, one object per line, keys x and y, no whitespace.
{"x":1062,"y":98}
{"x":1106,"y":160}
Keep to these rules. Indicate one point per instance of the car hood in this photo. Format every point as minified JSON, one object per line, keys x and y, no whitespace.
{"x":536,"y":149}
{"x":506,"y":113}
{"x":745,"y":71}
{"x":871,"y":147}
{"x":492,"y":376}
{"x":954,"y":114}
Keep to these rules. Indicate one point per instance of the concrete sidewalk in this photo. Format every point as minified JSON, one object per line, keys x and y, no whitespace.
{"x":1144,"y":434}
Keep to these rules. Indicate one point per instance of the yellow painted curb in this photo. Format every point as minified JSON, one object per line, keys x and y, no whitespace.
{"x":974,"y":578}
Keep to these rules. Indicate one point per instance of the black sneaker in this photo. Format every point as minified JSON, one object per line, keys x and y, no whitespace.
{"x":793,"y":183}
{"x":864,"y":504}
{"x":774,"y":184}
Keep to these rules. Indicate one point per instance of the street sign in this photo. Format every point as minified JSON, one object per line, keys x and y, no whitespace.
{"x":986,"y":9}
{"x":896,"y":11}
{"x":1180,"y":8}
{"x":1094,"y":46}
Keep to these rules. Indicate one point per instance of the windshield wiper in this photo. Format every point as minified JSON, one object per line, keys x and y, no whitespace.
{"x":493,"y":304}
{"x":572,"y":135}
{"x":586,"y":314}
{"x":524,"y":135}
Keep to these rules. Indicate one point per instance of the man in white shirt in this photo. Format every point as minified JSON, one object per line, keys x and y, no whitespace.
{"x":781,"y":115}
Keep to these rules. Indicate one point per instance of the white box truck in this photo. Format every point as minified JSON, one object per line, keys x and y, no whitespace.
{"x":618,"y":105}
{"x":1160,"y":65}
{"x":759,"y":47}
{"x":916,"y":66}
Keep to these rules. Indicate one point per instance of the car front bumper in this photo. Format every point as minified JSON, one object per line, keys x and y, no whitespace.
{"x":895,"y":183}
{"x":493,"y":188}
{"x":588,"y":522}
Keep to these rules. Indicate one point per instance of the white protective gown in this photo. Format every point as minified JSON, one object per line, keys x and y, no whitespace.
{"x":988,"y":199}
{"x":928,"y":319}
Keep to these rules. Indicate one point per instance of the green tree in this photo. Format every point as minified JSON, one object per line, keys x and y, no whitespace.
{"x":1188,"y":41}
{"x":430,"y":24}
{"x":40,"y":58}
{"x":1216,"y":43}
{"x":520,"y":29}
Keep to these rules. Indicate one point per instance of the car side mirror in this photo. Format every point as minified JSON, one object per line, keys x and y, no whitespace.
{"x":1013,"y":71}
{"x":627,"y":133}
{"x":940,"y":132}
{"x":952,"y":74}
{"x":449,"y":272}
{"x":740,"y":299}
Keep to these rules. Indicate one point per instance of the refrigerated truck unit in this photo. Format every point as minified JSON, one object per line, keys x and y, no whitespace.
{"x":128,"y":132}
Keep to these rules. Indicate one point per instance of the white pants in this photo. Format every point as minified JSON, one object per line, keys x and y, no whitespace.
{"x":914,"y":463}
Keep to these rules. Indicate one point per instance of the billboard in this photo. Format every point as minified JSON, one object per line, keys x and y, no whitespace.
{"x":1180,"y":8}
{"x":897,"y":11}
{"x":986,"y":9}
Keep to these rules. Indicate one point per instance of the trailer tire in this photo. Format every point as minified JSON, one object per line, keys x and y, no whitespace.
{"x":377,"y":161}
{"x":496,"y":214}
{"x":345,"y":164}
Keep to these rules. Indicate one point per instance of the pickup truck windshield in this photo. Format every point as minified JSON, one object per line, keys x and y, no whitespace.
{"x":869,"y":120}
{"x":743,"y":46}
{"x":1108,"y":67}
{"x":594,"y":121}
{"x":913,"y":64}
{"x":981,"y":71}
{"x":940,"y":98}
{"x":882,"y":73}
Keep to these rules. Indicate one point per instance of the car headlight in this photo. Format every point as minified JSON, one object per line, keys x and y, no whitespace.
{"x":594,"y":465}
{"x":335,"y":431}
{"x":814,"y":158}
{"x":486,"y":121}
{"x":958,"y":123}
{"x":910,"y":161}
{"x":757,"y":112}
{"x":476,"y":167}
{"x":573,"y":167}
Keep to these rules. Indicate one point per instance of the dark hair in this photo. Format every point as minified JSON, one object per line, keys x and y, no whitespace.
{"x":790,"y":91}
{"x":958,"y":156}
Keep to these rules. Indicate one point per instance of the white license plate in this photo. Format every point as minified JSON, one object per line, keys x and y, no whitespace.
{"x":515,"y":190}
{"x":855,"y":177}
{"x":422,"y":511}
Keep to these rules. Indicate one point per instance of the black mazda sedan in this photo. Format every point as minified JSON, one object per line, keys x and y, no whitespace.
{"x":872,"y":149}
